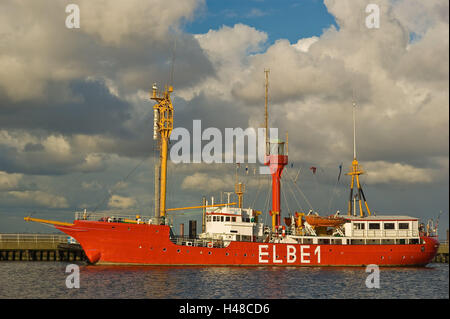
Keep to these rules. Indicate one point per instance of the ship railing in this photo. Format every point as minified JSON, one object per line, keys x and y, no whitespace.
{"x":197,"y":242}
{"x":391,"y":233}
{"x":115,"y":218}
{"x":33,"y":238}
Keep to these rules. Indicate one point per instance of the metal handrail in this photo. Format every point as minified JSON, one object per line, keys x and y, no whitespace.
{"x":18,"y":238}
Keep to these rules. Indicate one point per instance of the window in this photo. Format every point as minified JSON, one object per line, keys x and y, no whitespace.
{"x":214,"y":218}
{"x":221,"y":218}
{"x":403,"y":225}
{"x":227,"y":218}
{"x":208,"y":218}
{"x":374,"y":225}
{"x":358,"y":226}
{"x":389,"y":226}
{"x":233,"y":219}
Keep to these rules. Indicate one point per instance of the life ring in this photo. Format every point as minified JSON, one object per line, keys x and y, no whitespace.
{"x":210,"y":245}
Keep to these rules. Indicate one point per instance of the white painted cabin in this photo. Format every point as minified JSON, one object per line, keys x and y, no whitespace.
{"x":231,"y":224}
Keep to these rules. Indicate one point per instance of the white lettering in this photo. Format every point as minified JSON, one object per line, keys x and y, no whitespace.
{"x":303,"y":255}
{"x":275,"y":260}
{"x":261,"y":254}
{"x":291,"y":252}
{"x":317,"y":252}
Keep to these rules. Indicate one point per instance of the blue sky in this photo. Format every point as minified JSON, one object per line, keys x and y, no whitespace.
{"x":280,"y":19}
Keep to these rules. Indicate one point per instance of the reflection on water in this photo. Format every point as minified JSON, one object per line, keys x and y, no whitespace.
{"x":47,"y":280}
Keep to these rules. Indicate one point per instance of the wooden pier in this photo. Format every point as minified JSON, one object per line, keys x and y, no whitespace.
{"x":442,"y":253}
{"x":39,"y":247}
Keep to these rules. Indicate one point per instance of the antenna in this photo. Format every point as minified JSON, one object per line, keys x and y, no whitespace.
{"x":354,"y":124}
{"x":173,"y":61}
{"x":266,"y":116}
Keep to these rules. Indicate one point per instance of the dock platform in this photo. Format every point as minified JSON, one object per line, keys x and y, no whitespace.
{"x":39,"y":247}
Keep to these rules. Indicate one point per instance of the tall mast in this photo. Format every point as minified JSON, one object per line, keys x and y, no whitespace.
{"x":164,"y":114}
{"x":266,"y":116}
{"x":354,"y":130}
{"x":239,"y":188}
{"x":355,"y":171}
{"x":276,"y":159}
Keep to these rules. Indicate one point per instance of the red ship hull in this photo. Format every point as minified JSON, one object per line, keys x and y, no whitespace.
{"x":121,"y":243}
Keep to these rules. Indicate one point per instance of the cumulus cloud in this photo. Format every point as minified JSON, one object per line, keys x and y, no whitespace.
{"x":202,"y":181}
{"x":9,"y":181}
{"x":400,"y":86}
{"x":40,"y":198}
{"x":117,"y":201}
{"x":381,"y":172}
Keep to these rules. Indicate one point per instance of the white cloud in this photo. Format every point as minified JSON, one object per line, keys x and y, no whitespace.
{"x":381,"y":172}
{"x":117,"y":201}
{"x":9,"y":181}
{"x":40,"y":198}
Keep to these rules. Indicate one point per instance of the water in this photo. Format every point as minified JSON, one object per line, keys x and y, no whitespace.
{"x":48,"y":280}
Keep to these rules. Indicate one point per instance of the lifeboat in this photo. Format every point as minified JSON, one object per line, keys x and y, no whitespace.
{"x":329,"y":221}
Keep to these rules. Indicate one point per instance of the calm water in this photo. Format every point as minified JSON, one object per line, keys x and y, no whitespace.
{"x":47,"y":280}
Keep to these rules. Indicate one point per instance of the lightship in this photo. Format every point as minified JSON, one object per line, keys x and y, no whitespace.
{"x":234,"y":236}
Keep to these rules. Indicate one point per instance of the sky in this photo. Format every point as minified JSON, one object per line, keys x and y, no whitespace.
{"x":76,"y":118}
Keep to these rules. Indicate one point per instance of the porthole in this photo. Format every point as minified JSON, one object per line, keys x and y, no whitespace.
{"x":226,"y":254}
{"x":209,"y":253}
{"x":164,"y":249}
{"x":178,"y":250}
{"x":245,"y":255}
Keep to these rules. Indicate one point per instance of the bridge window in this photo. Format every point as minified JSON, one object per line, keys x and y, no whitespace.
{"x":374,"y":225}
{"x":358,"y":226}
{"x":227,"y":218}
{"x":389,"y":226}
{"x":233,"y":219}
{"x":221,"y":218}
{"x":208,"y":218}
{"x":403,"y":225}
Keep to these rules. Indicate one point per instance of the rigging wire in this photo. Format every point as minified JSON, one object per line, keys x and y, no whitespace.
{"x":266,"y":203}
{"x":303,"y":195}
{"x":295,"y":197}
{"x":115,"y":185}
{"x":285,"y":199}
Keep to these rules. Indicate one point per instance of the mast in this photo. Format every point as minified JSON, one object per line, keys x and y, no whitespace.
{"x":164,"y":111}
{"x":239,"y":189}
{"x":276,"y":159}
{"x":266,"y":115}
{"x":355,"y":171}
